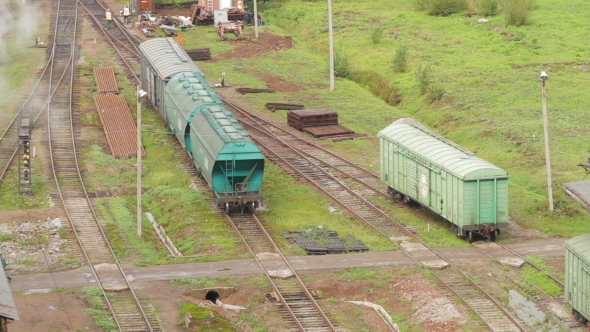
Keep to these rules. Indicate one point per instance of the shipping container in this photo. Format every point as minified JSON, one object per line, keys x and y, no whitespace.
{"x":577,"y":276}
{"x":421,"y":166}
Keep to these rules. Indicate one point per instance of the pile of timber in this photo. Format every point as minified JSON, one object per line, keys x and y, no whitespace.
{"x":252,"y":90}
{"x":279,"y":106}
{"x":312,"y":118}
{"x":199,"y":54}
{"x":321,"y":123}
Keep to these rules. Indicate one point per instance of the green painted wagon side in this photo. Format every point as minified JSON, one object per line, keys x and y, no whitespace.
{"x":577,"y":276}
{"x":466,"y":190}
{"x":186,"y":95}
{"x":229,"y":161}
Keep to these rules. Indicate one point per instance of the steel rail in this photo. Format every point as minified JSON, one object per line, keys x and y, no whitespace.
{"x":67,"y":112}
{"x":279,"y":293}
{"x":378,"y":212}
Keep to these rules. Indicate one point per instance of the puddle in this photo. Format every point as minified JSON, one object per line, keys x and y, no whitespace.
{"x":529,"y":313}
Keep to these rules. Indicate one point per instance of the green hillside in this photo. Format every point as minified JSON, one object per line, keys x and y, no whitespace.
{"x":487,"y":74}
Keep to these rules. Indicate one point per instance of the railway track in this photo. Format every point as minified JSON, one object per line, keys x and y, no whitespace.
{"x":366,"y":183}
{"x":489,"y":309}
{"x":127,"y":310}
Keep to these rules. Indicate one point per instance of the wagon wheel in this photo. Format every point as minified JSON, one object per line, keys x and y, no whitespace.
{"x":494,"y":235}
{"x":469,"y":237}
{"x":252,"y":207}
{"x":227,"y":208}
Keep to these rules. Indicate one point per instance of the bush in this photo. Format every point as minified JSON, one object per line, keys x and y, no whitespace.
{"x":487,"y":7}
{"x":440,"y":7}
{"x":342,"y":67}
{"x":376,"y":35}
{"x":517,"y":12}
{"x":424,"y":78}
{"x":378,"y":85}
{"x":400,"y":60}
{"x":435,"y":93}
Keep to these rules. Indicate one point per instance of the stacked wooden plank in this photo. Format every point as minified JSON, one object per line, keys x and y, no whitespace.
{"x":199,"y":53}
{"x":280,"y":106}
{"x":312,"y":118}
{"x":321,"y":123}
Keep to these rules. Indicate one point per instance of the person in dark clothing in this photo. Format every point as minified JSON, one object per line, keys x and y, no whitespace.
{"x":3,"y":260}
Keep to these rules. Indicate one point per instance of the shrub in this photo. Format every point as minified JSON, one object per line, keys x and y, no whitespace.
{"x":342,"y":67}
{"x":440,"y":7}
{"x":487,"y":7}
{"x":376,"y":35}
{"x":435,"y":93}
{"x":517,"y":12}
{"x":378,"y":85}
{"x":424,"y":78}
{"x":400,"y":60}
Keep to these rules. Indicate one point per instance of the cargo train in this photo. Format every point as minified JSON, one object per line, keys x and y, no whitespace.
{"x":217,"y":145}
{"x":577,"y":276}
{"x":421,"y":166}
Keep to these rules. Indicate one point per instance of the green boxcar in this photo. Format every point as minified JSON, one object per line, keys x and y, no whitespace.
{"x":421,"y":166}
{"x":577,"y":276}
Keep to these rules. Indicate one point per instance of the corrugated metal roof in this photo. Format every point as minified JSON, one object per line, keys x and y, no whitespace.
{"x":580,"y":245}
{"x":7,"y":305}
{"x":439,"y":152}
{"x":167,"y":57}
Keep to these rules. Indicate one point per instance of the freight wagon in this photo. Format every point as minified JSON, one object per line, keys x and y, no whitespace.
{"x":216,"y":144}
{"x":421,"y":166}
{"x":577,"y":276}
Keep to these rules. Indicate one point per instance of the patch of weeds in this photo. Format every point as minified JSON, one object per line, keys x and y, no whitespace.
{"x":400,"y":61}
{"x":357,"y":273}
{"x":27,"y":261}
{"x":424,"y":77}
{"x":517,"y":12}
{"x":207,"y":282}
{"x":100,"y":317}
{"x":59,"y":290}
{"x":342,"y":66}
{"x":320,"y":294}
{"x":376,"y":35}
{"x":441,"y":7}
{"x":71,"y":260}
{"x":487,"y":7}
{"x":5,"y":237}
{"x":331,"y":300}
{"x":259,"y":282}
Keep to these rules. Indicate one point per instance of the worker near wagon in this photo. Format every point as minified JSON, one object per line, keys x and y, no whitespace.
{"x":126,"y":14}
{"x":3,"y":260}
{"x":240,"y":6}
{"x":109,"y":17}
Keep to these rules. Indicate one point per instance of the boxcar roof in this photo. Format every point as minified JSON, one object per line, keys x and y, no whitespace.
{"x":167,"y":57}
{"x":439,"y":152}
{"x":580,"y":245}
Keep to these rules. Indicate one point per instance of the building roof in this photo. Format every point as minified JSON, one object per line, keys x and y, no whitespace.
{"x":580,"y":245}
{"x":7,"y":305}
{"x":167,"y":57}
{"x":439,"y":151}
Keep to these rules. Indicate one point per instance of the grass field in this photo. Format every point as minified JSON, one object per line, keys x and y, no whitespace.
{"x":489,"y":73}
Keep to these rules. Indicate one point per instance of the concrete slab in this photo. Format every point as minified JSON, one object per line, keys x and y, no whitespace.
{"x":512,"y":262}
{"x":436,"y":264}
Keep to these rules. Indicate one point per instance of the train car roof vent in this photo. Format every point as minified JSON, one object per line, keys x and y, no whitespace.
{"x":195,"y":97}
{"x":238,"y":126}
{"x":186,"y":85}
{"x":181,"y":78}
{"x":230,"y":129}
{"x":193,"y":80}
{"x":228,"y":113}
{"x":202,"y":93}
{"x":234,"y":120}
{"x":190,"y":91}
{"x":207,"y":100}
{"x":198,"y":86}
{"x":245,"y":134}
{"x":214,"y":109}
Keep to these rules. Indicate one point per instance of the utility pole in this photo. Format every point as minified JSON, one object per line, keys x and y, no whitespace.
{"x":139,"y":95}
{"x":331,"y":45}
{"x":255,"y":20}
{"x":544,"y":78}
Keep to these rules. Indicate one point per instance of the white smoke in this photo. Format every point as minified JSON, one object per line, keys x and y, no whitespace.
{"x":18,"y":25}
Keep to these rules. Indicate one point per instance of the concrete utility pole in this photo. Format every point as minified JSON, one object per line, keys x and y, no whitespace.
{"x":331,"y":45}
{"x":544,"y":78}
{"x":140,"y":94}
{"x":255,"y":20}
